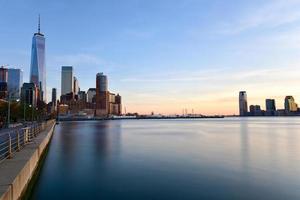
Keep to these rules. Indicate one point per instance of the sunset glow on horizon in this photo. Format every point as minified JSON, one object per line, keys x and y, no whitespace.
{"x":164,"y":56}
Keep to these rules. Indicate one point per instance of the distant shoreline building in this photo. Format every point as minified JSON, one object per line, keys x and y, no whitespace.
{"x":290,"y":105}
{"x":243,"y":104}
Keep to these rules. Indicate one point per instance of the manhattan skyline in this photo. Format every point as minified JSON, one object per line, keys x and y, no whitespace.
{"x":164,"y":56}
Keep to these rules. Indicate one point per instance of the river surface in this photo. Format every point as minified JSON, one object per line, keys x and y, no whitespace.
{"x":231,"y":158}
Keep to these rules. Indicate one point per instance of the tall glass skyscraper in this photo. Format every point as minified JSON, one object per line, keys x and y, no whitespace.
{"x":37,"y":67}
{"x":14,"y":83}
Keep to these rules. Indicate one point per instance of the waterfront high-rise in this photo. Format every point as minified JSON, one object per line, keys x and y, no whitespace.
{"x":101,"y":82}
{"x":37,"y":66}
{"x":243,"y":104}
{"x":14,"y":83}
{"x":102,"y":95}
{"x":67,"y":80}
{"x":270,"y":105}
{"x":290,"y":105}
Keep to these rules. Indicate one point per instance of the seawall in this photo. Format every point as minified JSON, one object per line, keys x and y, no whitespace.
{"x":16,"y":173}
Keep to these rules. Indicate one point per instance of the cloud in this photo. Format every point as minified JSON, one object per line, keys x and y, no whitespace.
{"x":271,"y":15}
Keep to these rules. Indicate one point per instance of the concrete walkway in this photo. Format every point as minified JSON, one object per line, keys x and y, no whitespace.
{"x":16,"y":173}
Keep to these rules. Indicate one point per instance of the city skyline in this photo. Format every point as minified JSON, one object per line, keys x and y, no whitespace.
{"x":140,"y":59}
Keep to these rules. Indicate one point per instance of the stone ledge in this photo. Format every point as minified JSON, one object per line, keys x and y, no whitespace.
{"x":16,"y":173}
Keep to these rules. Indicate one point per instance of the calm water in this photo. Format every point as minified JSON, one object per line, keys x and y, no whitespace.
{"x":256,"y":158}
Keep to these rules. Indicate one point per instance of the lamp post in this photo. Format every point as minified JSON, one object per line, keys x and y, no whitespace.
{"x":30,"y":106}
{"x":24,"y":114}
{"x":8,"y":112}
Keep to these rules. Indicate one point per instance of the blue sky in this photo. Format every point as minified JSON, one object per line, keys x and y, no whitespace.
{"x":164,"y":55}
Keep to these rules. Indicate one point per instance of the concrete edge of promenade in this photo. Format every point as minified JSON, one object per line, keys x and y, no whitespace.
{"x":16,"y":173}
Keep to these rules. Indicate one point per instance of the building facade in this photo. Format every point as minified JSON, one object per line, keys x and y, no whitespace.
{"x":243,"y":104}
{"x":290,"y":105}
{"x":67,"y":80}
{"x":37,"y":66}
{"x":54,"y":99}
{"x":29,"y":94}
{"x":91,"y":95}
{"x":102,"y":95}
{"x":14,"y":83}
{"x":3,"y":75}
{"x":3,"y":83}
{"x":76,"y":86}
{"x":270,"y":107}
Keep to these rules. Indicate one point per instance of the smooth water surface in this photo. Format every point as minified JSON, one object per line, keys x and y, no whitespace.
{"x":248,"y":158}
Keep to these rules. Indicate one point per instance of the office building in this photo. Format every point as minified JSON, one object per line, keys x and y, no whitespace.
{"x":75,"y":86}
{"x":67,"y":80}
{"x":103,"y":97}
{"x":101,"y":82}
{"x":270,"y":107}
{"x":54,"y":99}
{"x":3,"y":90}
{"x":37,"y":66}
{"x":118,"y":101}
{"x":29,"y":94}
{"x":3,"y":75}
{"x":3,"y":83}
{"x":255,"y":110}
{"x":14,"y":83}
{"x":91,"y":95}
{"x":82,"y":96}
{"x":290,"y":105}
{"x":243,"y":105}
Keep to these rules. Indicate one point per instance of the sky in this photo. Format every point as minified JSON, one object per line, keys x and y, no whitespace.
{"x":163,"y":55}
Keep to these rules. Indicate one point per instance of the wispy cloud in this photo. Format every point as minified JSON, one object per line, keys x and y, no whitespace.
{"x":271,"y":15}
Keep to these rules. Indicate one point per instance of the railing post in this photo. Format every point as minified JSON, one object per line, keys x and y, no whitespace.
{"x":18,"y":141}
{"x":25,"y":131}
{"x":9,"y":146}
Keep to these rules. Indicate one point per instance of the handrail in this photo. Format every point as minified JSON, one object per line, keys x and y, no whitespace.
{"x":16,"y":139}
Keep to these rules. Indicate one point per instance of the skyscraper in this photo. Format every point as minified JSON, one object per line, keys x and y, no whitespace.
{"x":37,"y":67}
{"x":102,"y":95}
{"x":3,"y":82}
{"x":243,"y":104}
{"x":14,"y":83}
{"x":76,"y":86}
{"x":101,"y":82}
{"x":67,"y":80}
{"x":29,"y":94}
{"x":3,"y":75}
{"x":270,"y":107}
{"x":91,"y":95}
{"x":54,"y":98}
{"x":290,"y":104}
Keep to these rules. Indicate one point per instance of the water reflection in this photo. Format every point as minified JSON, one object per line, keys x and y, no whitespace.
{"x":249,"y":158}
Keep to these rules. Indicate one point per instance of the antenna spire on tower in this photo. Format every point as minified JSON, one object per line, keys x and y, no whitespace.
{"x":39,"y":25}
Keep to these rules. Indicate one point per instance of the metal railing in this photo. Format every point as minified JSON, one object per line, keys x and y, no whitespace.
{"x":16,"y":139}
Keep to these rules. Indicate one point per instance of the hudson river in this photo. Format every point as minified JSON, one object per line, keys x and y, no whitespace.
{"x":248,"y":158}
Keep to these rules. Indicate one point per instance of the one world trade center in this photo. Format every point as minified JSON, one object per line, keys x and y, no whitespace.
{"x":37,"y":66}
